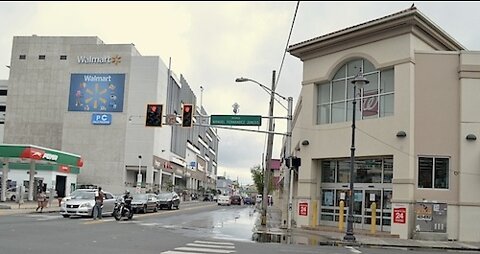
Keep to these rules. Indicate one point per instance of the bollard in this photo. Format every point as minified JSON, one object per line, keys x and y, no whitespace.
{"x":373,"y":223}
{"x":341,"y":222}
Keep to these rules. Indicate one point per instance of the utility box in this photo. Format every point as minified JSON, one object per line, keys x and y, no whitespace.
{"x":431,"y":221}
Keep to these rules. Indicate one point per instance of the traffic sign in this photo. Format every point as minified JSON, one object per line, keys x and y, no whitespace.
{"x":238,"y":120}
{"x":171,"y":119}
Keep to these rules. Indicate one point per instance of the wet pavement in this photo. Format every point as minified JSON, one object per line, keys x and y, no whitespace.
{"x":323,"y":235}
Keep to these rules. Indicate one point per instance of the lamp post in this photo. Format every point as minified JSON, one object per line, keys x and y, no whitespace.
{"x":139,"y":175}
{"x":270,"y":137}
{"x":359,"y":82}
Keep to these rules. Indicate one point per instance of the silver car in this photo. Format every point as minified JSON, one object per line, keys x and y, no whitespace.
{"x":82,"y":205}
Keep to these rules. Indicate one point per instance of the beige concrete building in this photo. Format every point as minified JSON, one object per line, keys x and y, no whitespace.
{"x":416,"y":154}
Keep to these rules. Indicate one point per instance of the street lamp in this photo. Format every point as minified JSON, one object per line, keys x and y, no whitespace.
{"x":360,"y":81}
{"x":270,"y":140}
{"x":139,"y":175}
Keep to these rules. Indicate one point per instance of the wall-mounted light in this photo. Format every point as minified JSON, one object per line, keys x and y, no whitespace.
{"x":305,"y":143}
{"x":401,"y":134}
{"x":471,"y":137}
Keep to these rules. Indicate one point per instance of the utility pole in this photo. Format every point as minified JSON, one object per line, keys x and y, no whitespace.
{"x":266,"y":173}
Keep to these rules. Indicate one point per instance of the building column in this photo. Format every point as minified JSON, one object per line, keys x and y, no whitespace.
{"x":31,"y":180}
{"x":160,"y":176}
{"x":4,"y":180}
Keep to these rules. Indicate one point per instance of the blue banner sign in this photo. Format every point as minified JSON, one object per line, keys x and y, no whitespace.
{"x":101,"y":119}
{"x":96,"y":92}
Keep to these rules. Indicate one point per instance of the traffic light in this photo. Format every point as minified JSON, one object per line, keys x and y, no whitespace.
{"x":187,"y":115}
{"x":154,"y":115}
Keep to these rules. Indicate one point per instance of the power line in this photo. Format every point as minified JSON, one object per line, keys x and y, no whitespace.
{"x":286,"y":46}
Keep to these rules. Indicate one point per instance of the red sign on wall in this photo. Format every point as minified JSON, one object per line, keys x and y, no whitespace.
{"x":303,"y":209}
{"x":399,"y":215}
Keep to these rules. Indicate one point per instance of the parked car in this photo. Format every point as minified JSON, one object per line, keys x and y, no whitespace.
{"x":258,"y":198}
{"x":11,"y":194}
{"x":73,"y":194}
{"x":224,"y":200}
{"x":248,"y":201}
{"x":168,"y":200}
{"x":236,"y":200}
{"x":81,"y":203}
{"x":144,"y":203}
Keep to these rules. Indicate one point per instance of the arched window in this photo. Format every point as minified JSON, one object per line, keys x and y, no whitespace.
{"x":335,"y":97}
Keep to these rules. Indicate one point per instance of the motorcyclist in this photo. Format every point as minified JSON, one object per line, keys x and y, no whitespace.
{"x":127,"y":198}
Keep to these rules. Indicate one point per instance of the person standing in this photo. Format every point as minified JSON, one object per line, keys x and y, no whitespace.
{"x":97,"y":209}
{"x":41,"y":200}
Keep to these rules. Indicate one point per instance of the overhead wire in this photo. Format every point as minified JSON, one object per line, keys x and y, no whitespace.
{"x":284,"y":54}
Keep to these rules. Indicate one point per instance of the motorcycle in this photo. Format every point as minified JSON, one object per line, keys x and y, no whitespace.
{"x":121,"y":210}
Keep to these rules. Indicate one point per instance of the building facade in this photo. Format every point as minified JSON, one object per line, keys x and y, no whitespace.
{"x":416,"y":154}
{"x":3,"y":106}
{"x":80,"y":95}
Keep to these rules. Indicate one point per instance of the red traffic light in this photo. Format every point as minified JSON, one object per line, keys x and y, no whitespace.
{"x":187,"y":115}
{"x":154,"y":115}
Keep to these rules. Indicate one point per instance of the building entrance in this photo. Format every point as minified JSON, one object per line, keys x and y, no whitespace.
{"x":362,"y":212}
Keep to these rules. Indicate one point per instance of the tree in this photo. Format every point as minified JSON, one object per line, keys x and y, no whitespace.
{"x":257,"y":176}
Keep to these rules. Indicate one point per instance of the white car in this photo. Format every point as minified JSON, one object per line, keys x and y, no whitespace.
{"x":224,"y":200}
{"x":73,"y":194}
{"x":81,"y":204}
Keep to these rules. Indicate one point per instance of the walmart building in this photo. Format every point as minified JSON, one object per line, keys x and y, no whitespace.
{"x":417,"y":127}
{"x":83,"y":96}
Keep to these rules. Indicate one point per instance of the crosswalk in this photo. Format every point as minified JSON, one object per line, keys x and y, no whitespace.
{"x":203,"y":247}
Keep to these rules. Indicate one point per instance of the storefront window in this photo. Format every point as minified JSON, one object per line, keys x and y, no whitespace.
{"x":328,"y":171}
{"x":335,"y":96}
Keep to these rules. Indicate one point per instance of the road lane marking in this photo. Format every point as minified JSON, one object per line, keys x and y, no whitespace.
{"x":353,"y":249}
{"x":180,"y":252}
{"x":210,"y":246}
{"x":204,"y":250}
{"x":218,"y":243}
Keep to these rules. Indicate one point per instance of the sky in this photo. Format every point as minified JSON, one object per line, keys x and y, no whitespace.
{"x":213,"y":43}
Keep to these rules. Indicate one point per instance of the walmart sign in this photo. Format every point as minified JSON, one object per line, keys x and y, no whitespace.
{"x":101,"y":119}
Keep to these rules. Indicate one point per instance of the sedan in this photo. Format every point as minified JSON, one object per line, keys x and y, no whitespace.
{"x":83,"y":202}
{"x":168,"y":200}
{"x":236,"y":200}
{"x":144,"y":202}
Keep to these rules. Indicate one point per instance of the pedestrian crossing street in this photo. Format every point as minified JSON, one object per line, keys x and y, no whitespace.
{"x":203,"y":247}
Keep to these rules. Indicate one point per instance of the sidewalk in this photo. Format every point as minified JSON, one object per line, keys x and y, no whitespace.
{"x":324,"y":235}
{"x":9,"y":207}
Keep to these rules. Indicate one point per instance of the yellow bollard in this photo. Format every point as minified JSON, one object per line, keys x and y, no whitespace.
{"x":314,"y":213}
{"x":340,"y":218}
{"x":373,"y":223}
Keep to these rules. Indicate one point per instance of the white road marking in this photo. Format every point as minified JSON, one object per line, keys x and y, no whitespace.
{"x":180,"y":252}
{"x":353,"y":249}
{"x":204,"y":250}
{"x":210,"y":246}
{"x":218,"y":243}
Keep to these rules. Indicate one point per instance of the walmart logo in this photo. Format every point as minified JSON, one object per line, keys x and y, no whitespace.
{"x":99,"y":60}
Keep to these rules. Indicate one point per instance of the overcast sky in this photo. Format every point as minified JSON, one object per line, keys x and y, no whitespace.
{"x":212,"y":43}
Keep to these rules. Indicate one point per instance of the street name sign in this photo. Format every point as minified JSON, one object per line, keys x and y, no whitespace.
{"x":237,"y":120}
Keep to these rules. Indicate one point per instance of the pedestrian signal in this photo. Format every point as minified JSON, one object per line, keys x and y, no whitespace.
{"x":154,"y":115}
{"x":187,"y":115}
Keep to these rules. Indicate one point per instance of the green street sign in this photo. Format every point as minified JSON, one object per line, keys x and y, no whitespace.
{"x":238,"y":120}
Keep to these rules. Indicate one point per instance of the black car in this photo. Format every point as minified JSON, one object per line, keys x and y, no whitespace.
{"x":144,"y":203}
{"x":236,"y":200}
{"x":168,"y":200}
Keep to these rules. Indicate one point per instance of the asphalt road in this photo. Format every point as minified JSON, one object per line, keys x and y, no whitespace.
{"x":201,"y":227}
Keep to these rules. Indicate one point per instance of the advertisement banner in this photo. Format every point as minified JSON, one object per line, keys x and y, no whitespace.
{"x":96,"y":92}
